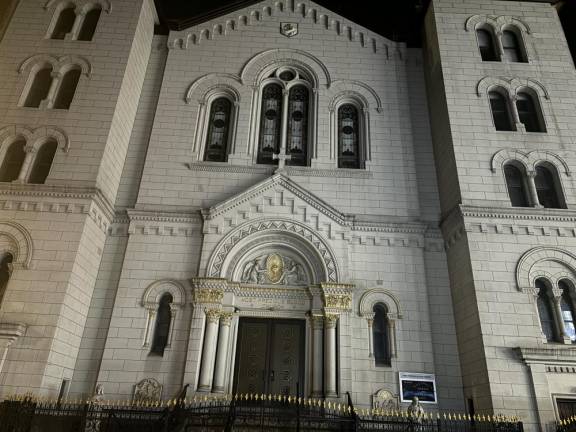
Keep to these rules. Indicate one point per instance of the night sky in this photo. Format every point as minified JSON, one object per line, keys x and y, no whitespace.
{"x":402,"y":20}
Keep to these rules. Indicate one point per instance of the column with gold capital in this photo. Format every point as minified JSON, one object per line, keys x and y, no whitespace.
{"x":222,"y":353}
{"x":209,"y":350}
{"x":330,"y":321}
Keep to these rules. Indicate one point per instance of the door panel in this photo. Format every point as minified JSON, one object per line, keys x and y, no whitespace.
{"x":270,"y":356}
{"x":252,"y":356}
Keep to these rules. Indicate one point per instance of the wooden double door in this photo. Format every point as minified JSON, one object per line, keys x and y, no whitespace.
{"x":270,"y":356}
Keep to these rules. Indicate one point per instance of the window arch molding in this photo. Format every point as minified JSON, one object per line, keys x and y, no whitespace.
{"x":16,"y":240}
{"x":511,"y":88}
{"x":151,"y":301}
{"x":60,"y":66}
{"x":81,"y":8}
{"x":527,"y":270}
{"x":373,"y":298}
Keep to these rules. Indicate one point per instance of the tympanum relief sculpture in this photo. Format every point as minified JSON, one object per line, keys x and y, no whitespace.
{"x":273,"y":269}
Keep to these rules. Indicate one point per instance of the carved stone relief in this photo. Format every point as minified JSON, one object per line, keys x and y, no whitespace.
{"x":148,"y":390}
{"x":273,"y":269}
{"x":385,"y":400}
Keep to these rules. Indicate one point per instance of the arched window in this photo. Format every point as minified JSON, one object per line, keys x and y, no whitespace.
{"x":89,"y":24}
{"x":516,"y":184}
{"x":529,"y":112}
{"x":487,"y":46}
{"x":5,"y":273}
{"x":162,"y":329}
{"x":501,"y":111}
{"x":43,"y":162}
{"x":513,"y":51}
{"x":297,"y":140}
{"x":546,"y":187}
{"x":348,"y":137}
{"x":270,"y":123}
{"x":545,"y":311}
{"x":39,"y":88}
{"x":567,"y":308}
{"x":218,"y":137}
{"x":67,"y":89}
{"x":13,"y":160}
{"x":381,"y":335}
{"x":64,"y":23}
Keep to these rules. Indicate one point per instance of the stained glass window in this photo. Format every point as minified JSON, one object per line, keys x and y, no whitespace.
{"x":297,"y":140}
{"x":270,"y":124}
{"x":163,"y":320}
{"x":545,"y":311}
{"x":348,"y":137}
{"x":567,"y":308}
{"x":218,"y":131}
{"x":380,"y":334}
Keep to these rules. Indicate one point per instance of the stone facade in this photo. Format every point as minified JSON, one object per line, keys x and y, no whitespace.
{"x":131,"y":212}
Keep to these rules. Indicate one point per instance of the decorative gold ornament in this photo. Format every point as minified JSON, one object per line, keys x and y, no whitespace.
{"x":274,"y":268}
{"x":212,"y":315}
{"x":208,"y":295}
{"x":338,"y":301}
{"x":330,"y":320}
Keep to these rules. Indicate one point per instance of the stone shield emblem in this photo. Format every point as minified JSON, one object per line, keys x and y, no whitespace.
{"x":274,"y":268}
{"x":289,"y":29}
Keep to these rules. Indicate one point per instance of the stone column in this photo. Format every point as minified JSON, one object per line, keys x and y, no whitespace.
{"x":532,"y":189}
{"x":370,"y":321}
{"x":222,"y":353}
{"x":330,"y":355}
{"x":209,"y":350}
{"x":30,"y":152}
{"x":317,"y":369}
{"x":557,"y":293}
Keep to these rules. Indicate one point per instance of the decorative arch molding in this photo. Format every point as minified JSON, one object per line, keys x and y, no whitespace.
{"x":529,"y":160}
{"x":106,"y":5}
{"x":512,"y":86}
{"x":203,"y":86}
{"x":221,"y":261}
{"x":360,"y":90}
{"x":17,"y":237}
{"x":525,"y":272}
{"x":497,"y":22}
{"x":155,"y":291}
{"x":378,"y":295}
{"x":268,"y":60}
{"x":59,"y":65}
{"x":34,"y":137}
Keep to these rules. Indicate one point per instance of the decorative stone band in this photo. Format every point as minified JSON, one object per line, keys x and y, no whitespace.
{"x":557,"y":355}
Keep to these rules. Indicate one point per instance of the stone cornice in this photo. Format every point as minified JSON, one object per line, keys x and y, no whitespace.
{"x":547,"y":354}
{"x":519,"y":213}
{"x":154,"y":216}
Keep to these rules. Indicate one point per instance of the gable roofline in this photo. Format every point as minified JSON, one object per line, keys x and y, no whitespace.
{"x":277,"y":180}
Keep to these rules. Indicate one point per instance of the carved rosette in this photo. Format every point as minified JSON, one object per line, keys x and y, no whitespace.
{"x":213,"y":316}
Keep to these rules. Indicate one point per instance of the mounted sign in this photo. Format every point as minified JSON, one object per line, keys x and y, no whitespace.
{"x":420,"y":385}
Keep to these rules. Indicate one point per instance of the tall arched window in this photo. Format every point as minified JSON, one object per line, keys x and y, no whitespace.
{"x":67,"y":89}
{"x":529,"y":112}
{"x":546,"y":189}
{"x":516,"y":184}
{"x":270,"y":123}
{"x":487,"y":45}
{"x":162,"y":328}
{"x":381,"y":335}
{"x":13,"y":160}
{"x":43,"y":162}
{"x":39,"y":88}
{"x":5,"y":273}
{"x":348,"y":137}
{"x":89,"y":24}
{"x":64,"y":23}
{"x":512,"y":50}
{"x":501,"y":111}
{"x":218,"y":137}
{"x":567,"y":308}
{"x":545,"y":311}
{"x":297,"y":139}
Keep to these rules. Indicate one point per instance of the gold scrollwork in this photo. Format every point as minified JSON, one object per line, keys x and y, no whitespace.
{"x":225,"y":318}
{"x":338,"y":301}
{"x":213,"y":315}
{"x":208,"y":295}
{"x":330,"y":320}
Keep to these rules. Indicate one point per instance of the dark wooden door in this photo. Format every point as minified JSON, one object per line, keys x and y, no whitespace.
{"x":566,"y":408}
{"x":269,"y":356}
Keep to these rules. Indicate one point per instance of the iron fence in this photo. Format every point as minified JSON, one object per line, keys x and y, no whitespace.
{"x":269,"y":413}
{"x":566,"y":425}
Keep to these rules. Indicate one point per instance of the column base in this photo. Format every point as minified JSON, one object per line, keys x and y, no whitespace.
{"x":204,"y":388}
{"x":331,"y":394}
{"x":218,"y":390}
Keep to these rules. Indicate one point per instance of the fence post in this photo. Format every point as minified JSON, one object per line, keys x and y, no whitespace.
{"x":297,"y":407}
{"x":230,"y":419}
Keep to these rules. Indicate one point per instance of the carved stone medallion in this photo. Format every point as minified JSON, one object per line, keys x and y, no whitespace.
{"x":273,"y":269}
{"x":148,"y":390}
{"x":289,"y":29}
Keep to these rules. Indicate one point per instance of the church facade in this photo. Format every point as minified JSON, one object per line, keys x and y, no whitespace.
{"x":280,"y":201}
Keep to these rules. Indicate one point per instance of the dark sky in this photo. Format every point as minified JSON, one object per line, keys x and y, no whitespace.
{"x":401,"y":21}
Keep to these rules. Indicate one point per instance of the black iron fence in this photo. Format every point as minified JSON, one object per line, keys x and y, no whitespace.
{"x":566,"y":425}
{"x":238,"y":413}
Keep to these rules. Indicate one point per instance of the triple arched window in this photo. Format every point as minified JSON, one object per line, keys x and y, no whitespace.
{"x":556,"y":310}
{"x":525,"y":110}
{"x":27,"y":164}
{"x":540,"y":189}
{"x":49,"y":89}
{"x":508,"y":45}
{"x":68,"y":24}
